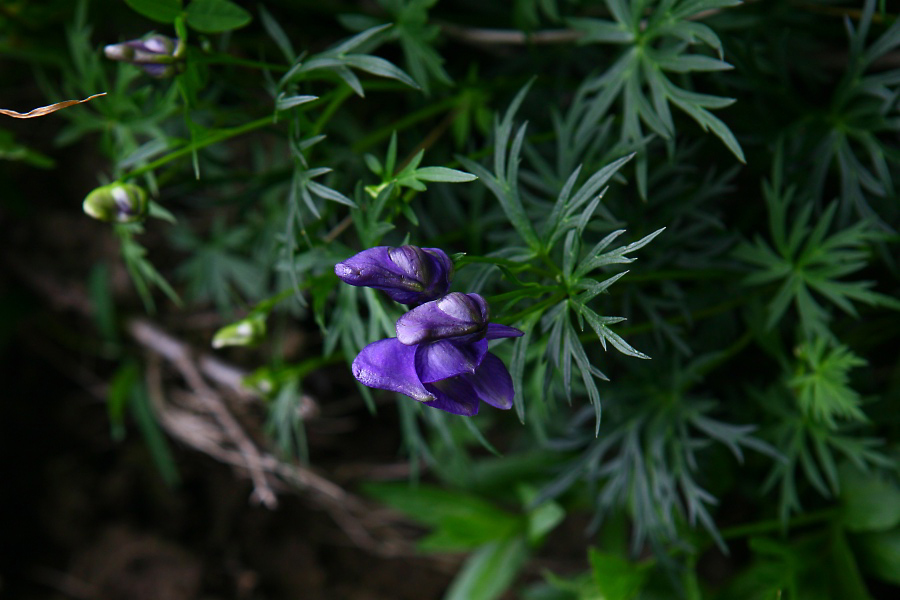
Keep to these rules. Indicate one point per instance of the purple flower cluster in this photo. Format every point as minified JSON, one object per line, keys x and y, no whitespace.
{"x":440,"y":355}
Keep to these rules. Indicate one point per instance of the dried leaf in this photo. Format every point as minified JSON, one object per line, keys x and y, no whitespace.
{"x":46,"y":110}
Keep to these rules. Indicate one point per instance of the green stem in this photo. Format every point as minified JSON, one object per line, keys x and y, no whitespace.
{"x":540,"y":306}
{"x":309,"y":365}
{"x":224,"y":59}
{"x":340,"y":96}
{"x":212,"y":138}
{"x":411,"y":119}
{"x":694,"y":316}
{"x":266,"y":306}
{"x":511,"y":264}
{"x":680,"y":275}
{"x":771,"y":525}
{"x":517,"y":293}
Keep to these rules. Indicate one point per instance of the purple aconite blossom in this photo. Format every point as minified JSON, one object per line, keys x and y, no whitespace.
{"x":440,"y":357}
{"x":408,"y":274}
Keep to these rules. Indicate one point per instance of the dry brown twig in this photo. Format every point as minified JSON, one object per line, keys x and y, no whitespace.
{"x":176,"y":353}
{"x":351,"y":514}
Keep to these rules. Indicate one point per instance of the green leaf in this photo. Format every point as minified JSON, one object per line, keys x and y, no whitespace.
{"x":443,"y":174}
{"x":379,"y":66}
{"x":357,"y":40}
{"x":277,"y":34}
{"x":104,"y":308}
{"x":153,"y":435}
{"x":118,"y":396}
{"x":164,"y":11}
{"x":216,"y":16}
{"x":487,"y":573}
{"x":462,"y":521}
{"x":288,"y":102}
{"x":543,"y":519}
{"x":12,"y":150}
{"x":880,"y":554}
{"x":616,"y":577}
{"x":158,"y":211}
{"x":844,"y":575}
{"x":870,"y":502}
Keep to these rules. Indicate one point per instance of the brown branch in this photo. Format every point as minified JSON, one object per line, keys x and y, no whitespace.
{"x":350,"y":513}
{"x":479,"y":35}
{"x":152,"y":337}
{"x":514,"y":37}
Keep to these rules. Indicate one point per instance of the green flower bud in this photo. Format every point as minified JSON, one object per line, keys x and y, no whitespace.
{"x":245,"y":332}
{"x":117,"y":203}
{"x":156,"y":54}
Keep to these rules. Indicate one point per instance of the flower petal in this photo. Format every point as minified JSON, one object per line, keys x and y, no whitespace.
{"x":492,"y":382}
{"x":462,"y":317}
{"x":390,"y":365}
{"x":496,"y":330}
{"x":445,"y":358}
{"x":453,"y":396}
{"x":408,"y":274}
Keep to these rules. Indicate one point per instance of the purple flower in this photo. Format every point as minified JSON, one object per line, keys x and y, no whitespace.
{"x":440,"y":357}
{"x":155,"y":54}
{"x":408,"y":274}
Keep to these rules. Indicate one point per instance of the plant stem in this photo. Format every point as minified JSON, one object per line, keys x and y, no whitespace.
{"x":770,"y":525}
{"x":212,"y":138}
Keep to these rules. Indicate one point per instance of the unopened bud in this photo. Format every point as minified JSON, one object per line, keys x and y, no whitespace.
{"x":245,"y":332}
{"x":156,"y":54}
{"x":117,"y":203}
{"x":408,"y":274}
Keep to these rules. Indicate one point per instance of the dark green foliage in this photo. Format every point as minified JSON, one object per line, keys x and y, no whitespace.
{"x":706,"y":187}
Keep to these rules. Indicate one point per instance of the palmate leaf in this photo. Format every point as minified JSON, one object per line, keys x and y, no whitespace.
{"x":143,"y":274}
{"x":821,"y":382}
{"x":417,"y":37}
{"x":812,"y":454}
{"x":597,"y":258}
{"x":853,"y":135}
{"x":217,"y":267}
{"x":411,"y":176}
{"x":657,"y":41}
{"x":504,"y":181}
{"x":302,"y":185}
{"x":340,"y":59}
{"x":568,"y":204}
{"x":563,"y":343}
{"x":650,"y":465}
{"x":805,"y":259}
